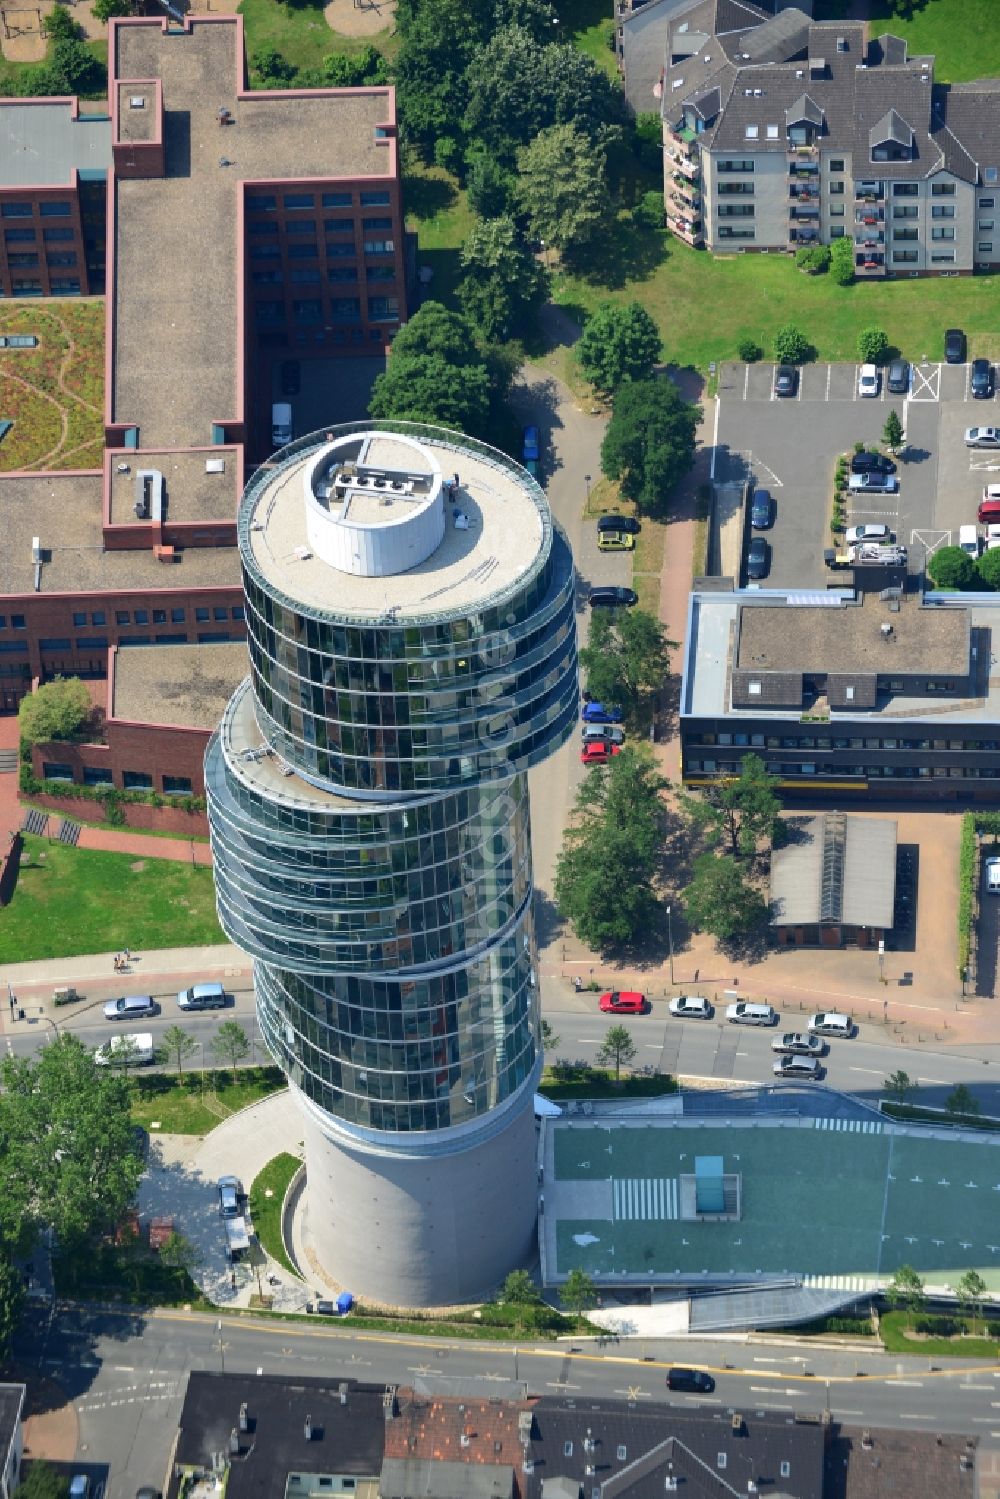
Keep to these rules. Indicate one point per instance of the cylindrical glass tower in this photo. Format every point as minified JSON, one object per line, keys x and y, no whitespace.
{"x":410,"y":612}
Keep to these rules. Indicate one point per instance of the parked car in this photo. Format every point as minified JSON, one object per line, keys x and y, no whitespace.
{"x":992,"y":537}
{"x":690,"y":1007}
{"x":898,"y":377}
{"x":786,"y":378}
{"x":79,"y":1486}
{"x":969,"y":541}
{"x":761,"y":509}
{"x":291,"y":377}
{"x":989,"y":505}
{"x":529,"y":447}
{"x":992,"y":868}
{"x":611,"y":733}
{"x":132,"y":1007}
{"x":954,"y":346}
{"x":831,"y":1023}
{"x":854,"y":534}
{"x":210,"y":996}
{"x":613,"y":598}
{"x":746,"y":1012}
{"x":794,"y":1066}
{"x":758,"y":558}
{"x":594,"y":712}
{"x":982,"y":437}
{"x":615,"y":541}
{"x":598,"y":752}
{"x":868,"y":383}
{"x":622,"y":1002}
{"x":872,"y":463}
{"x":981,"y":379}
{"x":796,"y":1043}
{"x":873,"y":483}
{"x":230,"y":1195}
{"x":695,"y":1381}
{"x":627,"y":523}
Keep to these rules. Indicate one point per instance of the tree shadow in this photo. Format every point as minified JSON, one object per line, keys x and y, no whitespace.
{"x":426,"y":196}
{"x":548,"y":921}
{"x":627,"y":251}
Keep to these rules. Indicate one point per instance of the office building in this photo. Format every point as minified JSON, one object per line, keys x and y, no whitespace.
{"x":410,"y":611}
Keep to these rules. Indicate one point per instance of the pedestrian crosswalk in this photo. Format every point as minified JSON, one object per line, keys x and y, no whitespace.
{"x":646,"y":1197}
{"x":851,"y":1126}
{"x":839,"y":1282}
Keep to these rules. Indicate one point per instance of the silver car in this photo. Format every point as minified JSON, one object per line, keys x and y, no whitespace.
{"x":792,"y":1066}
{"x":797,"y":1043}
{"x":133,"y":1007}
{"x":612,"y":732}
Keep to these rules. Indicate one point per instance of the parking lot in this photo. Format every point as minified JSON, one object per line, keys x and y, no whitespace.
{"x":790,"y":447}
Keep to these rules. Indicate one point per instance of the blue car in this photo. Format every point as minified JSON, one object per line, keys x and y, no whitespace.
{"x":530,"y":450}
{"x":598,"y":713}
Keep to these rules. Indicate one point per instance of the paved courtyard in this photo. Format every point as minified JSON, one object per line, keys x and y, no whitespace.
{"x":840,"y":1202}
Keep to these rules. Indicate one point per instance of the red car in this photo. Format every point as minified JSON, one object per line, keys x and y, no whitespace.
{"x":623,"y":1002}
{"x":598,"y":752}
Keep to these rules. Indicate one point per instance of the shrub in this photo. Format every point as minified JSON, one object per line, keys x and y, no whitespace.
{"x":649,"y":211}
{"x":448,"y":154}
{"x":815,"y":259}
{"x":749,"y":350}
{"x":966,"y":887}
{"x":842,"y":261}
{"x":951,"y":568}
{"x":790,"y":345}
{"x":872,"y":344}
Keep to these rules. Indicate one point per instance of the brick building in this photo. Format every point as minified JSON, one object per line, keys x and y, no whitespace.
{"x":234,"y":225}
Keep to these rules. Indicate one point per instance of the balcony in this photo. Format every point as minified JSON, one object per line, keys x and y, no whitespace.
{"x":686,"y":227}
{"x":869,"y":217}
{"x":803,"y":155}
{"x":683,"y":134}
{"x":869,"y":241}
{"x":804,"y":212}
{"x":688,"y":166}
{"x":869,"y":264}
{"x":682,"y":192}
{"x":804,"y":194}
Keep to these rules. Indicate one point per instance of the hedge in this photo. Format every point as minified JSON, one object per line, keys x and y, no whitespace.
{"x":966,"y":887}
{"x":110,"y":797}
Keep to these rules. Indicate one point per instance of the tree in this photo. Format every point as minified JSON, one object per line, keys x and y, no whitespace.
{"x":815,"y":259}
{"x":105,"y":9}
{"x":59,"y":24}
{"x":790,"y":345}
{"x":562,"y":189}
{"x":519,"y":1289}
{"x":650,"y":440}
{"x":273,"y":70}
{"x":362,"y":70}
{"x":988,"y":569}
{"x":11,"y":1302}
{"x":517,"y":88}
{"x":971,"y":1293}
{"x":41,"y":1481}
{"x":961,"y":1100}
{"x":872,"y":344}
{"x":842,"y":261}
{"x":425,"y":389}
{"x":720,"y":901}
{"x":741,"y":809}
{"x":892,"y":432}
{"x":503,"y":285}
{"x":179,"y":1045}
{"x":488,"y":185}
{"x":549,"y":1038}
{"x":71,"y":69}
{"x":578,"y":1294}
{"x":179,"y":1253}
{"x":626,"y":660}
{"x":231,"y":1044}
{"x":616,"y":1050}
{"x":905,"y":1289}
{"x":56,"y":710}
{"x":69,"y":1159}
{"x":124,"y":1054}
{"x":749,"y":350}
{"x":619,"y":342}
{"x":951,"y":568}
{"x":437,"y":331}
{"x":610,"y":852}
{"x":900,"y":1086}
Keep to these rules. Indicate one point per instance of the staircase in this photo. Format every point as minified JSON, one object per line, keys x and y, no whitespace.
{"x":69,"y":832}
{"x":8,"y":761}
{"x":35,"y":822}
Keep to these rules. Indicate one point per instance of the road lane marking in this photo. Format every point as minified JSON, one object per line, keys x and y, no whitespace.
{"x":715,"y":432}
{"x":875,"y":1071}
{"x":909,"y":1384}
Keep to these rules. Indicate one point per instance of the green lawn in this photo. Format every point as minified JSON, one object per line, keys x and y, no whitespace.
{"x":301,"y":34}
{"x":266,"y":1198}
{"x":704,"y":305}
{"x":437,"y":210}
{"x":589,"y":25}
{"x":963,"y":35}
{"x":72,"y":900}
{"x":898,"y":1337}
{"x":196,"y":1103}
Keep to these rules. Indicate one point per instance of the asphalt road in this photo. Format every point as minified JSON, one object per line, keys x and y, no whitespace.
{"x":126,"y":1376}
{"x":713,"y":1049}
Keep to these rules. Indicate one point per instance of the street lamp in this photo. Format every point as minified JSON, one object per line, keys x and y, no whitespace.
{"x":586,"y":480}
{"x":670,"y":941}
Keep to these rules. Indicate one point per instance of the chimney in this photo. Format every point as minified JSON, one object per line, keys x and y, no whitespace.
{"x":307,"y":1430}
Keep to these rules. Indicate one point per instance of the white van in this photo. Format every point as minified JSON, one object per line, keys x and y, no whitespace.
{"x":745,"y":1013}
{"x":202,"y":997}
{"x":968,"y":540}
{"x":138,"y":1044}
{"x":992,"y":867}
{"x":831,"y":1023}
{"x":281,"y":424}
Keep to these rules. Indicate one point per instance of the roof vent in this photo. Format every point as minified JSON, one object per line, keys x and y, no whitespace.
{"x":841,"y":44}
{"x":866,"y":1440}
{"x":800,"y":73}
{"x":737,"y":1421}
{"x":244,"y":1417}
{"x":136,"y":101}
{"x":886,"y":629}
{"x":307,"y":1428}
{"x":303,"y":553}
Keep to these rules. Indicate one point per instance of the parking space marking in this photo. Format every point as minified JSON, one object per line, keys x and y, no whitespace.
{"x":930,"y":540}
{"x":746,"y":381}
{"x":968,"y":377}
{"x":984,"y":465}
{"x":829,"y":377}
{"x":776,"y":482}
{"x":926,"y":385}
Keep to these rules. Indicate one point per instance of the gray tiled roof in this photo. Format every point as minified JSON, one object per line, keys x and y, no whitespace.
{"x":766,"y":689}
{"x":779,"y":39}
{"x":849,"y":689}
{"x":891,"y":127}
{"x":804,"y":108}
{"x":968,"y":127}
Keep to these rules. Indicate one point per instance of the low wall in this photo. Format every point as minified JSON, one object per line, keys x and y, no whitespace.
{"x":138,"y":815}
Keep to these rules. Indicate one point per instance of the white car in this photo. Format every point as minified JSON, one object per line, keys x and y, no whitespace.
{"x":992,"y":867}
{"x":992,"y":537}
{"x":982,"y":437}
{"x":868,"y":380}
{"x":867,"y":533}
{"x":968,"y":540}
{"x":612,"y":732}
{"x":690,"y":1007}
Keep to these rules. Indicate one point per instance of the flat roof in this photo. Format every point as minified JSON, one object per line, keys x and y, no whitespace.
{"x":253,"y":762}
{"x":175,"y":287}
{"x":64,"y":512}
{"x":505,"y":536}
{"x":187,"y":686}
{"x":138,"y":116}
{"x":43,"y":144}
{"x":193,"y":491}
{"x":850,"y":638}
